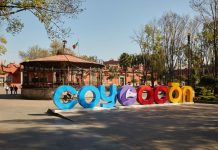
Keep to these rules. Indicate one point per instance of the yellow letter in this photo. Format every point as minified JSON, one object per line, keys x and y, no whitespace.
{"x":187,"y":94}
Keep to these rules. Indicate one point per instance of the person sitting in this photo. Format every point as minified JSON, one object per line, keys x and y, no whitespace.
{"x":67,"y":96}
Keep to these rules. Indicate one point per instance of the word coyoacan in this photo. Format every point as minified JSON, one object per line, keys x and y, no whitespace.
{"x":126,"y":95}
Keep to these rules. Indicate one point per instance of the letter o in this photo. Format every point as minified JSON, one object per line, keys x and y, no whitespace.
{"x":161,"y":100}
{"x":57,"y":101}
{"x":149,"y":99}
{"x":178,"y":96}
{"x":81,"y":96}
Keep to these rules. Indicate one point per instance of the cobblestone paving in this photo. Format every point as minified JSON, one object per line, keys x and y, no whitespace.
{"x":24,"y":125}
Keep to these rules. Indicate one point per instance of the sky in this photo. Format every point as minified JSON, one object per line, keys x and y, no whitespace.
{"x":104,"y":29}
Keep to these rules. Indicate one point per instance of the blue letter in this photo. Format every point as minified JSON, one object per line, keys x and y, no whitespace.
{"x":58,"y":102}
{"x":82,"y":99}
{"x":111,"y":99}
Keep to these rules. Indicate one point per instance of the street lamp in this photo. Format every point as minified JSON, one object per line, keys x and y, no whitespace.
{"x":189,"y":59}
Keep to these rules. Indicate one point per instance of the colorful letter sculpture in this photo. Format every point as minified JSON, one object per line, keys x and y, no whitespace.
{"x":175,"y":93}
{"x":64,"y":106}
{"x":82,"y":93}
{"x":149,"y":99}
{"x":162,"y":89}
{"x":111,"y":99}
{"x":127,"y":95}
{"x":187,"y":94}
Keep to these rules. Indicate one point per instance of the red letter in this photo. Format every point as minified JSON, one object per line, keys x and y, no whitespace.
{"x":149,"y":99}
{"x":163,"y":99}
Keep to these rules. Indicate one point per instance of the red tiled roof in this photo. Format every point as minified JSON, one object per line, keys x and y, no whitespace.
{"x":63,"y":58}
{"x":112,"y":62}
{"x":10,"y":68}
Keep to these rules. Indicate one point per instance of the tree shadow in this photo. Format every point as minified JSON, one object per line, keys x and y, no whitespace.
{"x":137,"y":128}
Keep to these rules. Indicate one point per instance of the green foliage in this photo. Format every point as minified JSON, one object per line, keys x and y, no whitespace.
{"x":124,"y":60}
{"x":216,"y":90}
{"x":208,"y":99}
{"x":3,"y":42}
{"x":50,"y":13}
{"x":90,"y":58}
{"x":208,"y":81}
{"x":113,"y":72}
{"x":56,"y":46}
{"x":134,"y":80}
{"x":208,"y":13}
{"x":2,"y":72}
{"x":33,"y":53}
{"x":200,"y":91}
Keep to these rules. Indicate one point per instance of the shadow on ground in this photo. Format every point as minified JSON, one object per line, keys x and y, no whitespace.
{"x":148,"y":128}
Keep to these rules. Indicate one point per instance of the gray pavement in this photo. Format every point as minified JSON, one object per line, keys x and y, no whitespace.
{"x":24,"y":125}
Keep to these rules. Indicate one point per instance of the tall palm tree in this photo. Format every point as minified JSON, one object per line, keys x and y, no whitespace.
{"x":124,"y":62}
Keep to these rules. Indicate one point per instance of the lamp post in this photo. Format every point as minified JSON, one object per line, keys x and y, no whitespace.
{"x":179,"y":70}
{"x":189,"y":59}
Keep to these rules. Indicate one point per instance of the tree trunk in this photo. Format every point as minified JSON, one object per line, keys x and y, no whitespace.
{"x":133,"y":78}
{"x":125,"y":76}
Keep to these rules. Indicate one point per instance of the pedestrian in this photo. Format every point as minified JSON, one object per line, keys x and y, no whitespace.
{"x":15,"y":89}
{"x":6,"y":89}
{"x":11,"y":89}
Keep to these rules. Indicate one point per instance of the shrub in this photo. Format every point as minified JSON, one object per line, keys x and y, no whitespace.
{"x":208,"y":81}
{"x":216,"y":90}
{"x":209,"y":93}
{"x":209,"y":98}
{"x":200,"y":91}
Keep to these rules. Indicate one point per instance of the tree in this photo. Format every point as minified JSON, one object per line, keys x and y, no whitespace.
{"x":3,"y":42}
{"x":33,"y":53}
{"x":144,"y":38}
{"x":207,"y":49}
{"x":51,"y":13}
{"x":124,"y":61}
{"x":90,"y":58}
{"x":173,"y":29}
{"x":113,"y":72}
{"x":57,"y":46}
{"x":208,"y":11}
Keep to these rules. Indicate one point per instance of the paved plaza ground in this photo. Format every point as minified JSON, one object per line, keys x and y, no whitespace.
{"x":24,"y":125}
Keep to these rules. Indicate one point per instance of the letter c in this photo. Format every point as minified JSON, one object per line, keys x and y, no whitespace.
{"x":58,"y":102}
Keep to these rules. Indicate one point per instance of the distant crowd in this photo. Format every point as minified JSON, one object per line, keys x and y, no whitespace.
{"x":12,"y":89}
